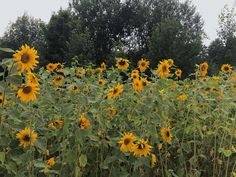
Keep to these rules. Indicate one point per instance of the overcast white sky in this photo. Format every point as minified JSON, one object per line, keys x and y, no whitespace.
{"x":11,"y":9}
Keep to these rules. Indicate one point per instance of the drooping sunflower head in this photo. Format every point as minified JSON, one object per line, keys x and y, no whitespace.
{"x":127,"y":142}
{"x":28,"y":92}
{"x":58,"y":123}
{"x":59,"y":67}
{"x":182,"y":97}
{"x":178,"y":72}
{"x":170,"y":62}
{"x":141,"y":148}
{"x":134,"y":74}
{"x":58,"y":80}
{"x":137,"y":85}
{"x":116,"y":91}
{"x":203,"y":68}
{"x":51,"y":67}
{"x":226,"y":68}
{"x":143,"y":65}
{"x":144,"y":81}
{"x":101,"y":82}
{"x":80,"y":72}
{"x":153,"y":161}
{"x":26,"y":137}
{"x":166,"y":135}
{"x":51,"y":162}
{"x":85,"y":123}
{"x":73,"y":88}
{"x":163,"y":69}
{"x":31,"y":78}
{"x":122,"y":64}
{"x":26,"y":58}
{"x":112,"y":111}
{"x":103,"y":66}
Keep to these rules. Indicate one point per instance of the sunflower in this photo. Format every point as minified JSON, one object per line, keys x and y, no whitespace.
{"x":122,"y":64}
{"x":51,"y":162}
{"x":166,"y":135}
{"x":144,"y":81}
{"x":137,"y":85}
{"x":178,"y":72}
{"x":141,"y":148}
{"x":51,"y":67}
{"x":116,"y":91}
{"x":58,"y":80}
{"x":86,"y":89}
{"x":73,"y":88}
{"x":153,"y":161}
{"x":26,"y":137}
{"x":103,"y":66}
{"x":226,"y":68}
{"x":26,"y":58}
{"x":89,"y":72}
{"x":134,"y":75}
{"x":143,"y":65}
{"x":58,"y":123}
{"x":80,"y":72}
{"x":203,"y":68}
{"x":59,"y":67}
{"x":98,"y":71}
{"x":112,"y":111}
{"x":31,"y":78}
{"x":28,"y":92}
{"x":182,"y":97}
{"x":127,"y":142}
{"x":163,"y":69}
{"x":84,"y":122}
{"x":101,"y":82}
{"x":204,"y":79}
{"x":170,"y":62}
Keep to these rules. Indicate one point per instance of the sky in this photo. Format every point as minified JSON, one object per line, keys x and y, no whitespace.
{"x":11,"y":9}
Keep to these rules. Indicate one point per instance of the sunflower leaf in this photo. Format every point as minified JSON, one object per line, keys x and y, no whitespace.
{"x":8,"y":50}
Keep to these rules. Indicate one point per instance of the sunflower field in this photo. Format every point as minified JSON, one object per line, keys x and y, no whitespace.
{"x":86,"y":121}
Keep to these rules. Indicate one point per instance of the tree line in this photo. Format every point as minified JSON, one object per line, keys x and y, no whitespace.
{"x":96,"y":31}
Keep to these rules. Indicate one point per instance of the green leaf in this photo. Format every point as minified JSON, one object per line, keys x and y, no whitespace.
{"x":7,"y":50}
{"x":2,"y":157}
{"x":83,"y":160}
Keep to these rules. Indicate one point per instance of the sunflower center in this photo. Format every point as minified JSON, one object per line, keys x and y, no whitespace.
{"x":164,"y":68}
{"x":26,"y":138}
{"x":226,"y":68}
{"x":27,"y":89}
{"x":58,"y":78}
{"x":126,"y":141}
{"x":115,"y":91}
{"x":143,"y":64}
{"x":122,"y":63}
{"x":59,"y":66}
{"x":25,"y":58}
{"x":141,"y":146}
{"x":167,"y":134}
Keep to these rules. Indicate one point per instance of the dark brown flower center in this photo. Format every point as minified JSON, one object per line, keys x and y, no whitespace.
{"x":143,"y":64}
{"x":27,"y":89}
{"x":58,"y":78}
{"x":167,"y":133}
{"x":25,"y":58}
{"x":141,"y":146}
{"x":164,"y":68}
{"x":126,"y":141}
{"x":144,"y":83}
{"x":26,"y":138}
{"x":115,"y":91}
{"x":1,"y":101}
{"x":122,"y":63}
{"x":226,"y":68}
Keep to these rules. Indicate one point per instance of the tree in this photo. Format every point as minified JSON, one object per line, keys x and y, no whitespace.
{"x":25,"y":30}
{"x":66,"y":39}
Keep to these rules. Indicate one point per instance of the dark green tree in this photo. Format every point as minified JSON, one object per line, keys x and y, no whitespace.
{"x":26,"y":30}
